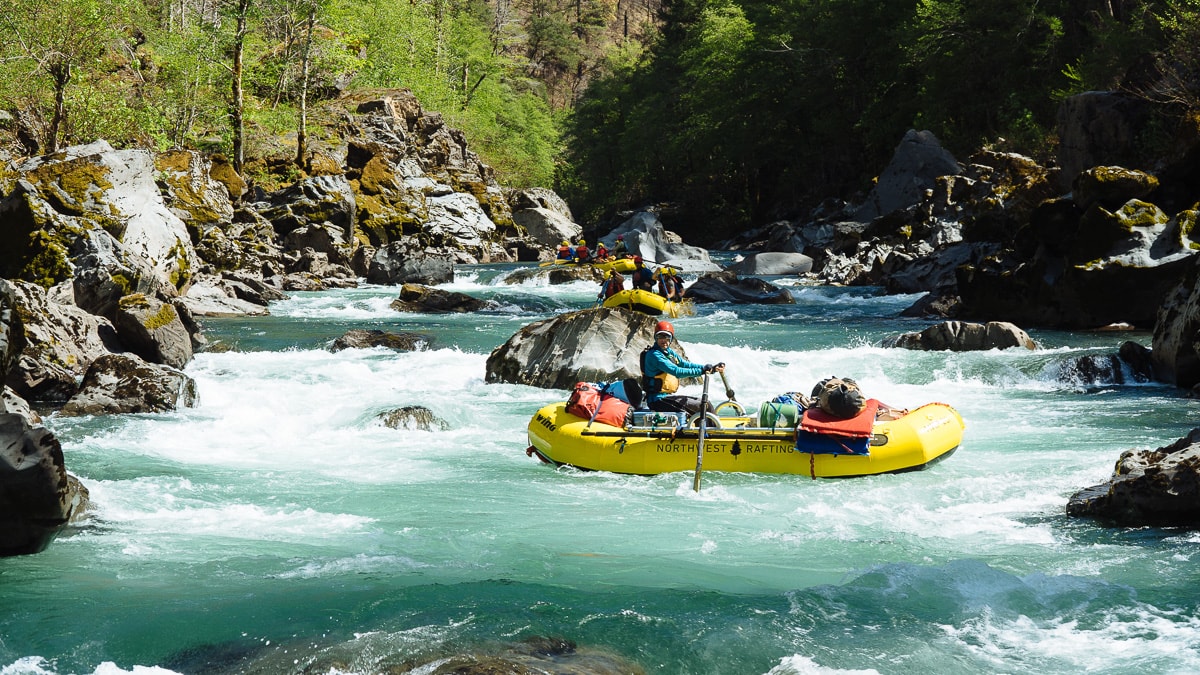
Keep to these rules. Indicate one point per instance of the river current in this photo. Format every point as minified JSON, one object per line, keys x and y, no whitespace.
{"x":281,"y":527}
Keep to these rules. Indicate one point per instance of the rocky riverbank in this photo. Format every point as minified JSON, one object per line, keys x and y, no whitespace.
{"x":111,"y":259}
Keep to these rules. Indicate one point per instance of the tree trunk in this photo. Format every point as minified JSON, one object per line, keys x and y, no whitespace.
{"x":60,"y":72}
{"x":239,"y":101}
{"x":301,"y":128}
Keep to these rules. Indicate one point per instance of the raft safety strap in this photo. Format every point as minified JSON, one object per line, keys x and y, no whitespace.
{"x":812,"y":465}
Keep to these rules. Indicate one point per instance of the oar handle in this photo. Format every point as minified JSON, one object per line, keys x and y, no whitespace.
{"x":728,"y":391}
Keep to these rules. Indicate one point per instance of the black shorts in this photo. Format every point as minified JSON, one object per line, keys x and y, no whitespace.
{"x":679,"y":403}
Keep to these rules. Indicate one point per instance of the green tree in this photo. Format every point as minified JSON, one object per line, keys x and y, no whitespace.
{"x":51,"y":42}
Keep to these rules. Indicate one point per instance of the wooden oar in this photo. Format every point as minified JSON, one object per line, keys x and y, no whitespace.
{"x":700,"y":441}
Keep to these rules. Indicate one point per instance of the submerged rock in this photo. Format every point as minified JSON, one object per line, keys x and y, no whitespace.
{"x":414,"y":417}
{"x":729,"y":287}
{"x":961,"y":336}
{"x":366,"y":339}
{"x":417,"y":298}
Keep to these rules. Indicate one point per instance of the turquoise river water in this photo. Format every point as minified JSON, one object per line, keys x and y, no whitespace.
{"x":280,"y":527}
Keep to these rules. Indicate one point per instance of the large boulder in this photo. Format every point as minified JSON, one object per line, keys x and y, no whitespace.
{"x":772,"y":263}
{"x":645,"y":236}
{"x":1175,"y":351}
{"x":153,"y":330}
{"x":960,"y":336}
{"x":38,"y":498}
{"x":199,"y":190}
{"x":918,"y":161}
{"x":403,"y":262}
{"x":547,"y":227}
{"x":1098,"y":128}
{"x":1148,"y":488}
{"x":729,"y":287}
{"x":544,"y":215}
{"x":124,"y":383}
{"x":89,"y":189}
{"x":61,"y":342}
{"x":539,"y":198}
{"x":593,"y":345}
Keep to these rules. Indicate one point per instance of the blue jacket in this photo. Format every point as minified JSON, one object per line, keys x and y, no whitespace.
{"x":656,"y":361}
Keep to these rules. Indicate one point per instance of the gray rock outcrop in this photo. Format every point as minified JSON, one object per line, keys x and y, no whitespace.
{"x":1148,"y":487}
{"x":1075,"y":268}
{"x":645,"y":236}
{"x":917,"y":162}
{"x":1174,"y":351}
{"x":38,"y":498}
{"x":124,"y":383}
{"x":153,"y":330}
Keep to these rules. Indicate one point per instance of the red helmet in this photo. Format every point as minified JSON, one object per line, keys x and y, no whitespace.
{"x":620,"y":237}
{"x":637,"y":259}
{"x":664,"y":327}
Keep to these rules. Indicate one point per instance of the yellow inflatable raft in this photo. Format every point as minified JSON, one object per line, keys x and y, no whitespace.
{"x":655,"y":443}
{"x":650,"y":303}
{"x":622,"y":265}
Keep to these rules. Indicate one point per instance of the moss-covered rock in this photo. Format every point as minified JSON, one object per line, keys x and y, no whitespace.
{"x":153,"y":330}
{"x":184,"y":178}
{"x":1101,"y":231}
{"x":73,"y":186}
{"x":1111,"y":186}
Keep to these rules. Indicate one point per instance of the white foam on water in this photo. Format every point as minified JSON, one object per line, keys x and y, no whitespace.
{"x":803,"y":665}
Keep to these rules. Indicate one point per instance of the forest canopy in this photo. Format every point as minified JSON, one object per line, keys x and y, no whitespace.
{"x":734,"y":112}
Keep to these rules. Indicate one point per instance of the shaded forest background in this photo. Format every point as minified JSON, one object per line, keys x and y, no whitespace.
{"x":736,"y":113}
